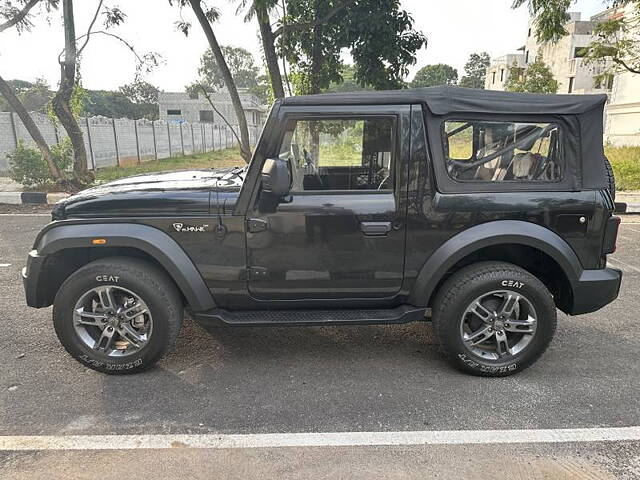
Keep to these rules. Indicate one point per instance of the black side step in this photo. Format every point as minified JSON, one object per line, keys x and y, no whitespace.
{"x":402,"y":314}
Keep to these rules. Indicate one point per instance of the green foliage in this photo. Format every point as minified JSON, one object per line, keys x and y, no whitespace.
{"x":218,"y":159}
{"x":263,"y":90}
{"x":626,"y":166}
{"x":240,"y":63}
{"x":140,"y":91}
{"x":537,"y":78}
{"x":348,"y":82}
{"x":377,"y":33}
{"x":476,"y":70}
{"x":34,"y":96}
{"x":617,"y":40}
{"x":26,"y":165}
{"x":435,"y":75}
{"x":550,"y":17}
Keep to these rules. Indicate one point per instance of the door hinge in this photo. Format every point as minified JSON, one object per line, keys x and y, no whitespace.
{"x":255,"y":225}
{"x":256,"y":273}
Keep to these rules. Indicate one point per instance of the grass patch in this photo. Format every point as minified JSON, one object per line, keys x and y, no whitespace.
{"x":626,"y":166}
{"x":625,"y":162}
{"x":219,"y":159}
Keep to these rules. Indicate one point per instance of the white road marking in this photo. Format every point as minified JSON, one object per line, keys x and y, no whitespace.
{"x":25,"y":215}
{"x":334,"y":439}
{"x":5,"y":264}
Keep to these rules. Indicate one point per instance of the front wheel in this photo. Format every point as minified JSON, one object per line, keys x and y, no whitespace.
{"x":117,"y":315}
{"x":494,"y":319}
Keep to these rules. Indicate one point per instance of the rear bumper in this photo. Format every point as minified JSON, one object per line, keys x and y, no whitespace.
{"x":595,"y":289}
{"x":30,"y":276}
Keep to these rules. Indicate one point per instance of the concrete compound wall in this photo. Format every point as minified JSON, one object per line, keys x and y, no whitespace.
{"x":111,"y":142}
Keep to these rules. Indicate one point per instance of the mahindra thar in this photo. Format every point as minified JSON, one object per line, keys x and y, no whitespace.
{"x":483,"y":212}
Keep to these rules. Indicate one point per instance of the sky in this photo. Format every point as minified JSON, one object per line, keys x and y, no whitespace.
{"x":454,"y":28}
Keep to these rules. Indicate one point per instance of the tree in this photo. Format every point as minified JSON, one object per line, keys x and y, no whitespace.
{"x":435,"y":75}
{"x":348,"y":82}
{"x":537,"y":78}
{"x":616,"y":39}
{"x":67,"y":101}
{"x":206,"y":16}
{"x":240,"y":63}
{"x":140,"y":91}
{"x":377,"y":33}
{"x":35,"y":96}
{"x":18,"y":15}
{"x":144,"y":97}
{"x":260,"y":9}
{"x":476,"y":70}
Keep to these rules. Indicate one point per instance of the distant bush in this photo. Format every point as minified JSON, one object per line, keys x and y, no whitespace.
{"x":26,"y":165}
{"x":626,"y":166}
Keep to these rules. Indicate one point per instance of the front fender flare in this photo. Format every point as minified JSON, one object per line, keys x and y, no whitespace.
{"x":485,"y":235}
{"x":150,"y":240}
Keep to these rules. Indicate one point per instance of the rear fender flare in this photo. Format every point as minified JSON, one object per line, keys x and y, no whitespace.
{"x":148,"y":239}
{"x":485,"y":235}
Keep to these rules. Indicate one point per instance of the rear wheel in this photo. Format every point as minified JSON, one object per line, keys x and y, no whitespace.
{"x":494,"y":319}
{"x":117,"y":315}
{"x":610,"y":178}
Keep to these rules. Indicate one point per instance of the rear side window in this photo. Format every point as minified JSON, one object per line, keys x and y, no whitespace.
{"x":340,"y":153}
{"x":481,"y":151}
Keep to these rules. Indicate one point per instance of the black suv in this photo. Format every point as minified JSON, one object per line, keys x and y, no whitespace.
{"x":481,"y":211}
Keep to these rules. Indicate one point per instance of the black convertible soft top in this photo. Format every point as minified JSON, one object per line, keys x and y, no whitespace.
{"x":444,"y":100}
{"x":581,"y":114}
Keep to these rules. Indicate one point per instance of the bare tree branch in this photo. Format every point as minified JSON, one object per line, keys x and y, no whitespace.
{"x":19,"y":17}
{"x":109,"y":34}
{"x":206,"y":94}
{"x":319,"y":21}
{"x":625,"y":65}
{"x":88,"y":34}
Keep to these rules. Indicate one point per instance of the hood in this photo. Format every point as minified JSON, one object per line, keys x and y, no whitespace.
{"x":183,"y":192}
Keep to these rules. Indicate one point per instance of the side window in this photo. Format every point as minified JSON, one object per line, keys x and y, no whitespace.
{"x":340,"y":154}
{"x":482,"y":151}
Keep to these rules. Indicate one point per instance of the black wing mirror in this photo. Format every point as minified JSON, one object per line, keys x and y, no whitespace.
{"x":275,"y":177}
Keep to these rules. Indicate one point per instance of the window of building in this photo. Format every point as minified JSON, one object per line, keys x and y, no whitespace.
{"x":570,"y":89}
{"x":502,"y":74}
{"x":174,"y":112}
{"x":206,"y":116}
{"x":340,"y":154}
{"x":579,"y":52}
{"x":526,"y":56}
{"x":493,"y":77}
{"x":529,"y":33}
{"x":482,"y":151}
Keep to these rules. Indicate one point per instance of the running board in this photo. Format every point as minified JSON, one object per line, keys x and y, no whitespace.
{"x":402,"y":314}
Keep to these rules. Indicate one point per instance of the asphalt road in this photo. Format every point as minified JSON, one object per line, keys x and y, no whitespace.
{"x":316,"y":379}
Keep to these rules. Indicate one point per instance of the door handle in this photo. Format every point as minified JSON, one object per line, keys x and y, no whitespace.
{"x":375,"y":229}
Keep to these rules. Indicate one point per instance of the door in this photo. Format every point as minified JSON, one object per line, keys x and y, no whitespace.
{"x":340,"y":234}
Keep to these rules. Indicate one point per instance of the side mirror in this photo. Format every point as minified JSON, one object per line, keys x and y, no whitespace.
{"x":275,"y":177}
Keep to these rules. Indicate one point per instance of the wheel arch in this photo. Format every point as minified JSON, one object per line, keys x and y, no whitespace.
{"x":73,"y":245}
{"x":537,"y":249}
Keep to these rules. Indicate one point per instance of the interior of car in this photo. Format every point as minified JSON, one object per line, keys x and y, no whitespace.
{"x":502,"y":151}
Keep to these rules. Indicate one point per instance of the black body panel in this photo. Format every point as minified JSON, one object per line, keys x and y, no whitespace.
{"x":333,"y":249}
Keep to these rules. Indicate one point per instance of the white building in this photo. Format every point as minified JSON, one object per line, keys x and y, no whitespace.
{"x":622,"y":122}
{"x":498,"y":71}
{"x":180,"y":107}
{"x":562,"y":58}
{"x":622,"y":125}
